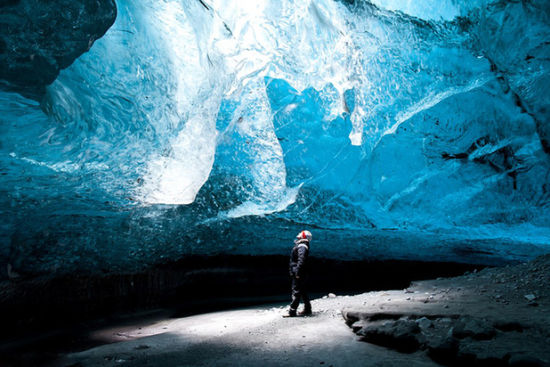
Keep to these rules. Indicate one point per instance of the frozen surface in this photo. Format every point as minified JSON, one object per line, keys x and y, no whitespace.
{"x":397,"y":129}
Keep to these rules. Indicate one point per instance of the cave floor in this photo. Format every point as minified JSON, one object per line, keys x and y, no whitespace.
{"x":494,"y":317}
{"x":257,"y":336}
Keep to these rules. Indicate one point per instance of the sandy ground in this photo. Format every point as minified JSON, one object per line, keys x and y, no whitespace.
{"x":492,"y":317}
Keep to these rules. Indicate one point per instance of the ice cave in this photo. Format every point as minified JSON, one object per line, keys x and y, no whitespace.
{"x":182,"y":142}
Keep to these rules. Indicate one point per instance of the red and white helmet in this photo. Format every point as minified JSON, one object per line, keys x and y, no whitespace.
{"x":304,"y":235}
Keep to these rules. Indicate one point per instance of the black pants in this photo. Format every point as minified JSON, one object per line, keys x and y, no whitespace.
{"x":299,"y":290}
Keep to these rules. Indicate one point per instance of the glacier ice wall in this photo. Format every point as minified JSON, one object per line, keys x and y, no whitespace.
{"x":394,"y":128}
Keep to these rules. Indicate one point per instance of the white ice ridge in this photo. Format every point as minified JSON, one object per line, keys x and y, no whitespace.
{"x":431,"y":100}
{"x":176,"y":176}
{"x":225,"y":49}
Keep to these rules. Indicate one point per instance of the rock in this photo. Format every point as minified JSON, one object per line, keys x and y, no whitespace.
{"x":142,"y":346}
{"x":479,"y":333}
{"x":521,"y":360}
{"x":424,"y":323}
{"x":505,"y":325}
{"x":351,"y":317}
{"x":39,"y":38}
{"x":358,"y":325}
{"x":468,"y":326}
{"x":401,"y":335}
{"x":484,"y":354}
{"x":442,"y":350}
{"x":331,"y":295}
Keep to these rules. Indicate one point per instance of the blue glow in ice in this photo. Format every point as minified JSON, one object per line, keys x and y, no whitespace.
{"x":189,"y":117}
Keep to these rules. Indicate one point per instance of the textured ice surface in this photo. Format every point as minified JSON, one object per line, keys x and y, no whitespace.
{"x":396,"y":129}
{"x":39,"y":38}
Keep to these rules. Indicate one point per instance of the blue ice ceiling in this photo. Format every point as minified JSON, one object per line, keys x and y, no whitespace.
{"x":394,"y":128}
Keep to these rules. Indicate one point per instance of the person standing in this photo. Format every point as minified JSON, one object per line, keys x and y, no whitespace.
{"x":298,"y":269}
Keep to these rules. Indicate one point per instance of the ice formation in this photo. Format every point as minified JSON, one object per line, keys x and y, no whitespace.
{"x":192,"y":125}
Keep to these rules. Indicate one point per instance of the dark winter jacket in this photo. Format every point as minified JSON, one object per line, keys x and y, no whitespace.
{"x":298,"y":258}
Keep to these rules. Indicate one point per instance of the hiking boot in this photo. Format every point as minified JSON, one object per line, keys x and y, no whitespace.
{"x":305,"y":312}
{"x":291,"y":313}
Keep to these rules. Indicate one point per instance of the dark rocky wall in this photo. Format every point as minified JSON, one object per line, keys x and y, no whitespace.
{"x":39,"y":38}
{"x":195,"y":284}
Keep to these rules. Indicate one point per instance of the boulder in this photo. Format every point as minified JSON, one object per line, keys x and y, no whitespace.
{"x":39,"y":38}
{"x":401,"y":335}
{"x":475,"y":328}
